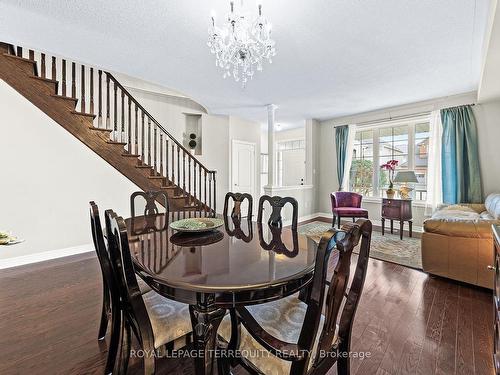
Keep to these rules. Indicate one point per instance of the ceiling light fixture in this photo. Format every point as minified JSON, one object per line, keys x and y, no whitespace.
{"x":241,"y":45}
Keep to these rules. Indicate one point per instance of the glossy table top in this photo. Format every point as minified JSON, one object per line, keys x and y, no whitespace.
{"x":240,"y":256}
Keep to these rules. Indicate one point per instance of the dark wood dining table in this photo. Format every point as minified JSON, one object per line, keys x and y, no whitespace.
{"x":239,"y":264}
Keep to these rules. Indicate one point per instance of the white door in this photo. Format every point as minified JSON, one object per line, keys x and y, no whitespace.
{"x":243,"y":170}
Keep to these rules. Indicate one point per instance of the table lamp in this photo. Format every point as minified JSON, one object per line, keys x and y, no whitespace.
{"x":404,"y":177}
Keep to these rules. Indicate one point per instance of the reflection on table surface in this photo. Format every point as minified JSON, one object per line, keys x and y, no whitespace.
{"x":238,"y":255}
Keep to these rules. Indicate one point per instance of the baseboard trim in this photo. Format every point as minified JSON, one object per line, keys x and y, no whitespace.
{"x":44,"y":255}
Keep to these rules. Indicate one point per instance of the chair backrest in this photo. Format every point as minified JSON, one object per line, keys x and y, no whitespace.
{"x":148,"y":215}
{"x":107,"y":271}
{"x":346,"y":199}
{"x":133,"y":305}
{"x":238,"y":198}
{"x":336,"y":333}
{"x":277,"y":204}
{"x":276,"y":243}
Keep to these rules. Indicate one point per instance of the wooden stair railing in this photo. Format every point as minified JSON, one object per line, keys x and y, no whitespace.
{"x":122,"y":120}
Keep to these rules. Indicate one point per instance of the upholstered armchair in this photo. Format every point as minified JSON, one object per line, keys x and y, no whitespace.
{"x":347,"y":204}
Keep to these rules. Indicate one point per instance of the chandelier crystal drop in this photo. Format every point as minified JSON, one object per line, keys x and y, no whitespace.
{"x":240,"y":45}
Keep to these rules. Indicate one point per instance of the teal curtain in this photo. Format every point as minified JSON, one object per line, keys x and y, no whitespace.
{"x":459,"y":156}
{"x":341,"y":134}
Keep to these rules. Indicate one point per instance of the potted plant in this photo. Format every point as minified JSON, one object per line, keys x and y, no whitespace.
{"x":390,"y":167}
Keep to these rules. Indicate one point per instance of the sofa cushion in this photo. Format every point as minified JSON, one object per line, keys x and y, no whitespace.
{"x":492,"y":204}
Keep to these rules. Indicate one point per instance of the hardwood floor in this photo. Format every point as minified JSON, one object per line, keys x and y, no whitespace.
{"x":407,"y":321}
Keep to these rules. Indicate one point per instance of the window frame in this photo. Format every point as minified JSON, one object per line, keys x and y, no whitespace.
{"x":375,"y":127}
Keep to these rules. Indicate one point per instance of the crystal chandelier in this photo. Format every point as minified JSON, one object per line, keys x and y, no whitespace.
{"x":241,"y":45}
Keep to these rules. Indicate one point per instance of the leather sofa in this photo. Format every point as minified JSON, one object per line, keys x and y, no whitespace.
{"x":457,"y":242}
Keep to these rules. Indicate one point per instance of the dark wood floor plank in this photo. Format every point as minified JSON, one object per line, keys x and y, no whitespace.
{"x":447,"y":346}
{"x":482,"y":326}
{"x":464,"y":356}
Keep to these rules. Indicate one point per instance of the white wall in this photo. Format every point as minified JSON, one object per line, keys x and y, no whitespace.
{"x":48,"y":179}
{"x":488,"y":127}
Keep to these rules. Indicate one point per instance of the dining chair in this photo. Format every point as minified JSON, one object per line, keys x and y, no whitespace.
{"x":144,"y":210}
{"x":110,"y":293}
{"x":346,"y":204}
{"x":238,"y":199}
{"x":299,"y":338}
{"x":277,"y":203}
{"x":153,"y":319}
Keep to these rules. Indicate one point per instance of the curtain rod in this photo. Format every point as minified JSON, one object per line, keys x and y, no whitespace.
{"x":401,"y":117}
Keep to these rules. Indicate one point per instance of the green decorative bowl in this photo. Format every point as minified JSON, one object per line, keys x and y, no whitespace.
{"x":197,"y":224}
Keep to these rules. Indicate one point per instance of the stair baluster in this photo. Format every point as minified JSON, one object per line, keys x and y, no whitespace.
{"x":82,"y":84}
{"x":136,"y":132}
{"x":166,"y":159}
{"x":173,"y":165}
{"x":129,"y":143}
{"x":149,"y":141}
{"x":73,"y":80}
{"x":99,"y":99}
{"x":189,"y":179}
{"x":63,"y":85}
{"x":154,"y":151}
{"x":43,"y":65}
{"x":108,"y":101}
{"x":91,"y":90}
{"x":122,"y":117}
{"x":115,"y":114}
{"x":143,"y":158}
{"x":161,"y":155}
{"x":54,"y":68}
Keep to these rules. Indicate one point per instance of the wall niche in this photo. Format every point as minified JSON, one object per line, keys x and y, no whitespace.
{"x":192,"y":137}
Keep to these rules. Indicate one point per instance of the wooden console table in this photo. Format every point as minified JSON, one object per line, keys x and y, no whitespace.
{"x":397,"y":209}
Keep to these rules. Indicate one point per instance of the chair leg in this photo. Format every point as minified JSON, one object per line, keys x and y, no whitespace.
{"x":343,"y":361}
{"x":353,"y":219}
{"x":125,"y":346}
{"x":338,"y":225}
{"x":103,"y":326}
{"x":333,"y":221}
{"x":149,"y":362}
{"x":114,"y":342}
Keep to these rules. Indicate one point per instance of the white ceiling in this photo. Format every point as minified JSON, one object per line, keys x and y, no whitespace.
{"x":334,"y":57}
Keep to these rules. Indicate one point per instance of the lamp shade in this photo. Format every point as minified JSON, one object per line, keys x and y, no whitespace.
{"x":406,"y":176}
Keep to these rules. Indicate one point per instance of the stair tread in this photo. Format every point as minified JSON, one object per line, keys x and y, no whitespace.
{"x":45,"y":79}
{"x":83,"y":114}
{"x":130,"y":155}
{"x":143,"y":166}
{"x":100,"y":129}
{"x":69,"y":98}
{"x":19,"y":58}
{"x":116,"y":143}
{"x":155,"y":177}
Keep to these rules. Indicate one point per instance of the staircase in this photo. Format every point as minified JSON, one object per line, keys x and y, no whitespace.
{"x":93,"y":106}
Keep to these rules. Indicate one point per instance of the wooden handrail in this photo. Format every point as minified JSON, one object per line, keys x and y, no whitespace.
{"x":124,"y":90}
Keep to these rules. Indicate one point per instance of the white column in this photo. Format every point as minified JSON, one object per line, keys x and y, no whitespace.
{"x":271,"y":166}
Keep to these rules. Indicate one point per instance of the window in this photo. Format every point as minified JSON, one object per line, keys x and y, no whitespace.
{"x":407,"y":142}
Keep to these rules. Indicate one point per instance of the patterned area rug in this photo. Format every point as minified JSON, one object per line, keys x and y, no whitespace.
{"x":388,"y":247}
